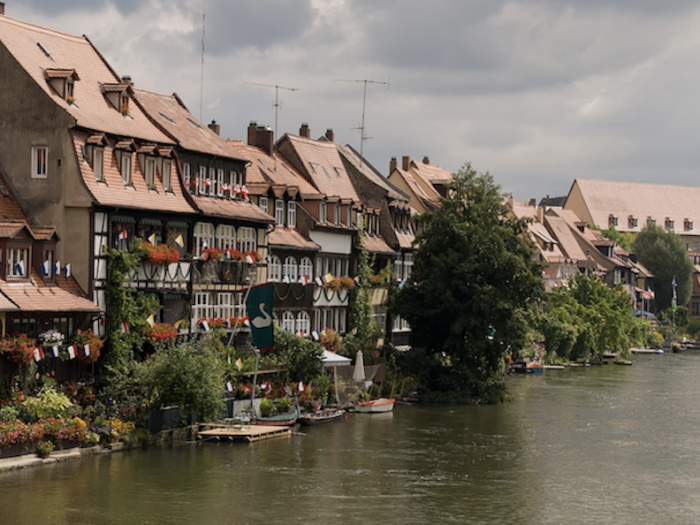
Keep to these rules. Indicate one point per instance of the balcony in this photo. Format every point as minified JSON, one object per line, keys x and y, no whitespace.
{"x":221,"y":272}
{"x":174,"y":276}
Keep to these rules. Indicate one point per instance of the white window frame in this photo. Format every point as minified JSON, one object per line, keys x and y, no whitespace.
{"x":246,"y":239}
{"x":303,"y":323}
{"x":233,"y":179}
{"x":187,"y":174}
{"x":306,"y":268}
{"x":212,"y":182}
{"x":274,"y":269}
{"x":290,"y":268}
{"x":220,"y":182}
{"x":317,"y":319}
{"x":126,"y":168}
{"x":288,"y":321}
{"x":204,"y":236}
{"x":407,"y":265}
{"x":349,"y":216}
{"x":240,"y":309}
{"x":336,"y":214}
{"x":98,"y":162}
{"x":201,"y":183}
{"x":322,"y":212}
{"x":40,"y":162}
{"x":15,"y":256}
{"x":279,"y":212}
{"x":225,"y":237}
{"x":202,"y":306}
{"x":263,"y":204}
{"x":151,"y":173}
{"x":224,"y":305}
{"x":167,"y":175}
{"x":291,"y":214}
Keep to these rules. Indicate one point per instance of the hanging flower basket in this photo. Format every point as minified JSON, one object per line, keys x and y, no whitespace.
{"x":51,"y":337}
{"x":82,"y":338}
{"x":159,"y":254}
{"x":160,"y":333}
{"x":212,"y":254}
{"x":18,"y":348}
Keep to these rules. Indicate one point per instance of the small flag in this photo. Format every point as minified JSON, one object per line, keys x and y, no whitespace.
{"x":19,"y":267}
{"x":402,"y":284}
{"x":237,"y":189}
{"x":180,"y":241}
{"x":265,"y":385}
{"x":38,"y":354}
{"x":86,"y":350}
{"x":125,"y":327}
{"x":227,"y":254}
{"x":54,"y":351}
{"x":205,"y":326}
{"x":249,"y":259}
{"x":327,"y":278}
{"x":244,"y":189}
{"x":178,"y":323}
{"x":66,"y":271}
{"x":301,"y":334}
{"x":71,"y":351}
{"x":674,"y":283}
{"x":123,"y":235}
{"x":151,"y":321}
{"x":301,"y":386}
{"x":152,"y":238}
{"x":286,"y":279}
{"x":229,"y":387}
{"x":227,"y":323}
{"x":57,"y":267}
{"x":304,"y":279}
{"x":207,"y":182}
{"x":319,"y":281}
{"x":239,"y":364}
{"x":246,"y":321}
{"x":288,"y":390}
{"x":316,"y":335}
{"x":45,"y":267}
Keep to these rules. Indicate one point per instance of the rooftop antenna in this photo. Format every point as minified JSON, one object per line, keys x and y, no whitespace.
{"x":201,"y":74}
{"x":363,"y":137}
{"x":276,"y":105}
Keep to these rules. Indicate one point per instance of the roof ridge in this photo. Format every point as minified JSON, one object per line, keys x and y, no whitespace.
{"x":42,"y":29}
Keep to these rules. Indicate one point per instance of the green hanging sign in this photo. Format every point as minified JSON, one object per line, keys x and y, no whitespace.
{"x":259,"y":305}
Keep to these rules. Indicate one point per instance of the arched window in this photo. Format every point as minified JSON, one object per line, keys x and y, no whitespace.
{"x":203,"y":237}
{"x":246,"y":239}
{"x":288,"y":322}
{"x":290,"y":268}
{"x":303,"y":323}
{"x":274,"y":269}
{"x":306,"y":268}
{"x":225,"y":237}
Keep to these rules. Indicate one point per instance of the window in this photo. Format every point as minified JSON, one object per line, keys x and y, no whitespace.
{"x":291,"y":214}
{"x":322,"y":212}
{"x":279,"y":212}
{"x":303,"y":323}
{"x":220,"y":183}
{"x":669,"y":223}
{"x":274,"y":269}
{"x":398,"y":268}
{"x":688,"y":224}
{"x":336,"y":214}
{"x":694,"y":310}
{"x":98,"y":164}
{"x":202,"y":185}
{"x":246,"y":239}
{"x":650,"y":221}
{"x":407,"y":266}
{"x":167,"y":175}
{"x":203,"y":237}
{"x":633,"y":222}
{"x":187,"y":174}
{"x":225,"y":237}
{"x":376,"y":225}
{"x":234,"y":180}
{"x":305,"y":268}
{"x":211,"y":182}
{"x":126,"y":168}
{"x":224,"y":305}
{"x":47,"y":270}
{"x":290,"y":268}
{"x":349,"y":216}
{"x":288,"y":321}
{"x":124,"y":108}
{"x":612,"y":220}
{"x":319,"y":266}
{"x":202,"y":306}
{"x":240,"y":309}
{"x":695,"y":246}
{"x":18,"y":262}
{"x":262,"y":203}
{"x":151,"y":173}
{"x":40,"y":161}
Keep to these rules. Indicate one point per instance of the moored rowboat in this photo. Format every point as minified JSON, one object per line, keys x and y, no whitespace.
{"x":382,"y":404}
{"x":324,"y":416}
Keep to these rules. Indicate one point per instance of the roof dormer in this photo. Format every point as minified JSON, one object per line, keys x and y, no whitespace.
{"x":117,"y":94}
{"x":63,"y":82}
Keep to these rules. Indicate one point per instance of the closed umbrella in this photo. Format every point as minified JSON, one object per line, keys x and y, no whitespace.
{"x":358,"y":374}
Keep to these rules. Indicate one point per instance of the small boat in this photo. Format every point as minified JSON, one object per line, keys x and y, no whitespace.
{"x":280,"y":420}
{"x":554,"y":367}
{"x":625,"y":362}
{"x":382,"y":404}
{"x":535,"y":368}
{"x":677,"y":349}
{"x":323,"y":416}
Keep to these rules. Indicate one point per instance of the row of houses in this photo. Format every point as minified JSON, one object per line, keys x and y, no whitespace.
{"x":103,"y":162}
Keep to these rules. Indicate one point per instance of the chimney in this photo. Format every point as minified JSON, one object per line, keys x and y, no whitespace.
{"x":216,"y":128}
{"x":304,"y":130}
{"x":426,"y":160}
{"x":330,"y":136}
{"x":406,"y":164}
{"x":127,"y":80}
{"x":2,"y":8}
{"x":392,"y":165}
{"x":533,"y":202}
{"x":252,"y":133}
{"x":540,"y":214}
{"x":265,"y":139}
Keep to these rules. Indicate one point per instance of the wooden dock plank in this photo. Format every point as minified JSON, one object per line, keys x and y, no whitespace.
{"x":249,"y":433}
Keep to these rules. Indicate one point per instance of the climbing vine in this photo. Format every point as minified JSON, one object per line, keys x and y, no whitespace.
{"x":363,"y":326}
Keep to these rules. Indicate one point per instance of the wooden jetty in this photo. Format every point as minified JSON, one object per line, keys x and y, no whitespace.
{"x":247,"y":433}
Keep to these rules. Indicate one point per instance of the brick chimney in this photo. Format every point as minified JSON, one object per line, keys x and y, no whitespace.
{"x":406,"y":163}
{"x":265,"y":139}
{"x":252,"y":133}
{"x":216,"y":128}
{"x":392,"y":165}
{"x":2,"y":8}
{"x":304,"y":130}
{"x":127,"y":80}
{"x":330,"y":136}
{"x":426,"y":160}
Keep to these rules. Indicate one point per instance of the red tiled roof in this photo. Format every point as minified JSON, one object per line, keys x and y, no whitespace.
{"x":113,"y":192}
{"x":430,"y":198}
{"x":10,"y":210}
{"x":35,"y":296}
{"x":290,"y":238}
{"x":377,"y":245}
{"x":432,"y":174}
{"x":405,"y":239}
{"x":231,"y":209}
{"x":91,"y":110}
{"x":8,"y":230}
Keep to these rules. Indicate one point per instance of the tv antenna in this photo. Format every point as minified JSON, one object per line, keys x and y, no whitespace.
{"x":276,"y":105}
{"x":201,"y":73}
{"x":363,"y":137}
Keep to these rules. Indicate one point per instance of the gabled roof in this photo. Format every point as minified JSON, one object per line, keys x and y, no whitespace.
{"x":370,"y":172}
{"x":231,"y":209}
{"x":640,"y":200}
{"x":428,"y":196}
{"x":275,"y":170}
{"x":377,"y":245}
{"x":290,"y":238}
{"x":432,"y":174}
{"x":36,"y":296}
{"x":323,"y":166}
{"x":173,"y":117}
{"x":38,"y":49}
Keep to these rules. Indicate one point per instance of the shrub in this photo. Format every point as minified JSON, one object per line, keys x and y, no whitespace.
{"x":44,"y":448}
{"x":18,"y":348}
{"x":265,"y":407}
{"x":330,"y":340}
{"x":656,"y":340}
{"x":48,"y":403}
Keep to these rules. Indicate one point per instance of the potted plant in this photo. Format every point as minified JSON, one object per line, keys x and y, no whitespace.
{"x":51,"y":337}
{"x":18,"y":348}
{"x":94,"y":343}
{"x":265,"y":407}
{"x":44,"y":448}
{"x":160,"y":333}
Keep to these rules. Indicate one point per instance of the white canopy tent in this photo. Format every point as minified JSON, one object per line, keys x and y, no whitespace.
{"x":333,"y":359}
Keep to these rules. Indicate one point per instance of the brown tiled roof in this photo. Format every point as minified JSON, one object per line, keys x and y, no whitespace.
{"x":640,"y":200}
{"x":377,"y":245}
{"x":61,"y":73}
{"x":91,"y":109}
{"x":283,"y":237}
{"x":9,"y":208}
{"x":433,"y":174}
{"x":113,"y":87}
{"x":45,"y":233}
{"x":8,"y":230}
{"x":174,"y":118}
{"x":258,"y":188}
{"x":35,"y":296}
{"x":567,"y":241}
{"x":112,"y":191}
{"x":324,"y":166}
{"x":429,"y":197}
{"x":353,"y":157}
{"x":276,"y":170}
{"x":405,"y":239}
{"x":231,"y":209}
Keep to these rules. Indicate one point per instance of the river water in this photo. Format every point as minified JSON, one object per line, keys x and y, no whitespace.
{"x":609,"y":444}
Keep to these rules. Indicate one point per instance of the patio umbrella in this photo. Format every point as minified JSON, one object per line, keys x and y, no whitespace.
{"x":332,"y":359}
{"x":358,"y":374}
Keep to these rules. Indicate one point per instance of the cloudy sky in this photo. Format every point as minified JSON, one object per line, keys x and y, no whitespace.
{"x":537,"y":92}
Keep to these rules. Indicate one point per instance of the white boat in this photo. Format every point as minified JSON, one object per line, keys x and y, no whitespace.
{"x":382,"y":404}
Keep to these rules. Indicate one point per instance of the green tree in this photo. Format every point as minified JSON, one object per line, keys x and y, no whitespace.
{"x":364,"y":327}
{"x":665,"y":254}
{"x":301,"y":359}
{"x":623,"y":239}
{"x":475,"y":286}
